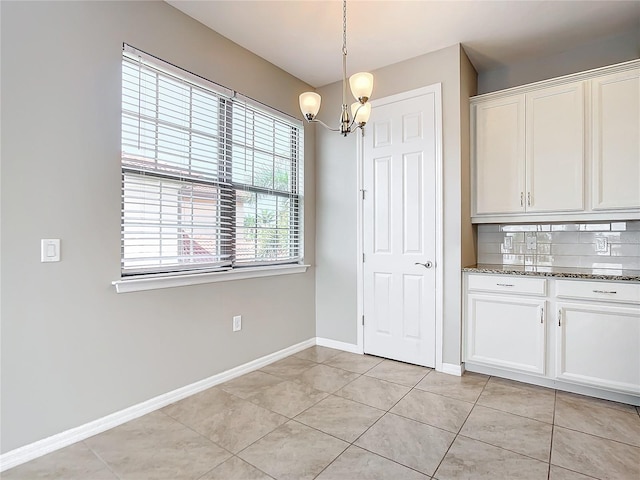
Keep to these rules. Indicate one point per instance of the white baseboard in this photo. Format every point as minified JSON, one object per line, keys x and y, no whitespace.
{"x":33,"y":450}
{"x":347,"y":347}
{"x":453,"y":369}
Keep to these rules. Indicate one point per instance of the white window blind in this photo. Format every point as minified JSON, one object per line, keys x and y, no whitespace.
{"x":209,"y":180}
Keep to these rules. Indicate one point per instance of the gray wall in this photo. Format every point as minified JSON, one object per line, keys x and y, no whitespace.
{"x":72,"y":349}
{"x":336,"y":194}
{"x":598,"y":53}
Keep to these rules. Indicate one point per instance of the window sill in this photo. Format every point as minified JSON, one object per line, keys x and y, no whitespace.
{"x":154,"y":283}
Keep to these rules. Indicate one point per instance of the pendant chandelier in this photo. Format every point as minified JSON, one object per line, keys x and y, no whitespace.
{"x":361,"y":88}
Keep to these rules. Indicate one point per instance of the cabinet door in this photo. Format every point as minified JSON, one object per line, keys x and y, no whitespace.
{"x":616,"y":141}
{"x":499,"y":156}
{"x":507,"y":332}
{"x":599,"y":346}
{"x":555,"y":148}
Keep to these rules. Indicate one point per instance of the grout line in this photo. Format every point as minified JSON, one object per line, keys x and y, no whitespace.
{"x":553,"y":428}
{"x":574,"y":471}
{"x":332,"y":461}
{"x":394,"y":461}
{"x":600,"y":437}
{"x":502,"y":448}
{"x":598,"y":402}
{"x":457,"y":434}
{"x":101,"y":459}
{"x":514,"y":414}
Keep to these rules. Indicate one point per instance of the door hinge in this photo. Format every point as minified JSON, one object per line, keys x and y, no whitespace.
{"x":363,"y":193}
{"x":362,"y":319}
{"x":559,"y":317}
{"x":363,"y":258}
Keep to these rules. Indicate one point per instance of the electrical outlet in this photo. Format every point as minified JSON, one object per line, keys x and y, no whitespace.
{"x":601,"y":244}
{"x":507,"y":245}
{"x":532,"y":242}
{"x":237,"y":323}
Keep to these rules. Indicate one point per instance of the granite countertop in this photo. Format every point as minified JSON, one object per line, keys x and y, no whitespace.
{"x":561,"y":272}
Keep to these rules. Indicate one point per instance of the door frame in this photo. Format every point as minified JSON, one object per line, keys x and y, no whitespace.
{"x":435,"y":89}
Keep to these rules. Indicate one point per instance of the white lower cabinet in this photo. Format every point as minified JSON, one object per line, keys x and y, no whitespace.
{"x":591,"y":328}
{"x":599,"y":346}
{"x":506,"y":331}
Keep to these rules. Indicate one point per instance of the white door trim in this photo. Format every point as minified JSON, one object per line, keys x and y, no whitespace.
{"x":436,"y":89}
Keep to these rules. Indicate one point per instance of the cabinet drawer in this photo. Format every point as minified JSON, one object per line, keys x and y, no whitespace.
{"x":599,"y":291}
{"x":507,"y":284}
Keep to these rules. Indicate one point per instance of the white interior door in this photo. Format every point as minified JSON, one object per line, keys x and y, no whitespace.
{"x":399,"y":227}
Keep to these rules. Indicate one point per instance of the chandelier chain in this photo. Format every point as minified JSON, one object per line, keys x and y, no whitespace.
{"x":344,"y":27}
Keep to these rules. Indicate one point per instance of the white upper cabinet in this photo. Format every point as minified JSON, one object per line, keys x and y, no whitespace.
{"x":616,"y":140}
{"x":555,"y":148}
{"x":562,"y":149}
{"x":500,"y":156}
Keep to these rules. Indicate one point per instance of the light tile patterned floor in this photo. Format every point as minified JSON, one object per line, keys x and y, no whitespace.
{"x":327,"y":414}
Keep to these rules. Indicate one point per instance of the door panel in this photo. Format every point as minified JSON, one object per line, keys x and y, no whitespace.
{"x":382,"y":204}
{"x":616,"y":142}
{"x":399,"y":230}
{"x":599,"y":346}
{"x":506,"y":332}
{"x":555,"y":149}
{"x":412,"y":203}
{"x":382,"y":291}
{"x":499,"y":153}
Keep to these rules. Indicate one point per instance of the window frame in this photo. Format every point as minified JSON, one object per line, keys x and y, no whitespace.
{"x":226,"y":247}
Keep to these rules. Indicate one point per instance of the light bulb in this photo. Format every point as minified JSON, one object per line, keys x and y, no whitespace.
{"x":361,"y":112}
{"x":361,"y":86}
{"x":310,"y":104}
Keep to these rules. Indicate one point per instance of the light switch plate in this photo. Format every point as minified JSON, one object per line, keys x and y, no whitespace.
{"x":532,"y":242}
{"x":50,"y":250}
{"x":601,"y":244}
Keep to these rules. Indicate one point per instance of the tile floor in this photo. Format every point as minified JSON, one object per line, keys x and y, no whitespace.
{"x":327,"y":414}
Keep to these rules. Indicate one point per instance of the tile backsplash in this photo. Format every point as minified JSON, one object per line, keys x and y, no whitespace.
{"x":601,"y":245}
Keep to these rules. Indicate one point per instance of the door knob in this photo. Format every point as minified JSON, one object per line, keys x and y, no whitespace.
{"x":427,"y":264}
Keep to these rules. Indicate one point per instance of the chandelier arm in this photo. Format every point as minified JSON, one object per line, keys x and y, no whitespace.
{"x":315,"y":120}
{"x":355,"y":115}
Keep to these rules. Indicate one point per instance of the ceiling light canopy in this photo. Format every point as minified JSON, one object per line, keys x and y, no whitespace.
{"x":361,"y":87}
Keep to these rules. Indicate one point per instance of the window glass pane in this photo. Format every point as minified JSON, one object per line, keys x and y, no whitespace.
{"x":170,"y":223}
{"x":264,"y":227}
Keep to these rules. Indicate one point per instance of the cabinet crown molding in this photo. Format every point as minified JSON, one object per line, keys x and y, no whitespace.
{"x":573,"y":77}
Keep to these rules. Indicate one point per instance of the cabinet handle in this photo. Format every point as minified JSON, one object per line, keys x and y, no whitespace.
{"x":541,"y":314}
{"x":605,"y":291}
{"x":559,"y":317}
{"x":504,"y":284}
{"x":528,"y":199}
{"x":522,"y":199}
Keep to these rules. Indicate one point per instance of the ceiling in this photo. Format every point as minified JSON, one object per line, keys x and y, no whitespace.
{"x":304,"y":37}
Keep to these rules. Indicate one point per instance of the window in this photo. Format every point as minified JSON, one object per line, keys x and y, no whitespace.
{"x":211,"y":180}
